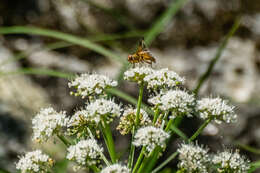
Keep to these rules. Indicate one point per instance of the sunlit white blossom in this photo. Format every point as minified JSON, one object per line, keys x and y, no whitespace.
{"x":137,"y":74}
{"x":103,"y":108}
{"x":193,"y":158}
{"x":227,"y":161}
{"x":47,"y":122}
{"x":115,"y":168}
{"x":128,"y":118}
{"x":177,"y":101}
{"x":217,"y":109}
{"x":85,"y":152}
{"x":34,"y":161}
{"x":91,"y":84}
{"x":163,"y":78}
{"x":150,"y":137}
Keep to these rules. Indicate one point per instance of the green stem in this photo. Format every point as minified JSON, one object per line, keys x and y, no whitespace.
{"x":139,"y":160}
{"x":106,"y":131}
{"x":173,"y":155}
{"x":137,"y":120}
{"x":222,"y":46}
{"x":139,"y":103}
{"x":64,"y":140}
{"x":95,"y":168}
{"x":198,"y":132}
{"x":156,"y":114}
{"x":132,"y":151}
{"x":169,"y":125}
{"x":149,"y":163}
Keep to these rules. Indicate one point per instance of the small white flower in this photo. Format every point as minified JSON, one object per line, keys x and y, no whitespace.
{"x":231,"y":162}
{"x":102,"y":108}
{"x":177,"y":101}
{"x":34,"y":161}
{"x":48,"y":122}
{"x":85,"y":152}
{"x":127,"y":120}
{"x":116,"y":168}
{"x":193,"y":158}
{"x":163,"y":78}
{"x":217,"y":109}
{"x":91,"y":84}
{"x":137,"y":74}
{"x":150,"y":137}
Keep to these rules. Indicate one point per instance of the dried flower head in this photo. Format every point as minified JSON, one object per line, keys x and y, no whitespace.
{"x":150,"y":137}
{"x":88,"y":85}
{"x":217,"y":109}
{"x":137,"y":74}
{"x":227,"y":161}
{"x":177,"y":101}
{"x":85,"y":152}
{"x":127,"y":120}
{"x":163,"y":78}
{"x":34,"y":161}
{"x":47,"y":123}
{"x":193,"y":158}
{"x":116,"y":168}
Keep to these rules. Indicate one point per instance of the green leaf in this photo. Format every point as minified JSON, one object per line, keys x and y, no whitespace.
{"x":161,"y":22}
{"x":62,"y":36}
{"x":61,"y":166}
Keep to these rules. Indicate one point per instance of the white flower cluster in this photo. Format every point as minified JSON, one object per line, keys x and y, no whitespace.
{"x":127,"y":120}
{"x":103,"y":108}
{"x":137,"y":74}
{"x":85,"y":152}
{"x":116,"y":168}
{"x":91,"y":84}
{"x":34,"y":161}
{"x":193,"y":158}
{"x":155,"y":79}
{"x":163,"y":78}
{"x":150,"y":137}
{"x":47,"y":122}
{"x":217,"y":109}
{"x":177,"y":101}
{"x":231,"y":162}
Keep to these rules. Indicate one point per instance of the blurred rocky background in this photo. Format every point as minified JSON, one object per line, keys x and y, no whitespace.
{"x":187,"y":44}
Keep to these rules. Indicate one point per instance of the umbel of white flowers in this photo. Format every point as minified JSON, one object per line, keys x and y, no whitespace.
{"x":116,"y":168}
{"x":88,"y":85}
{"x":216,"y":109}
{"x":95,"y":111}
{"x":34,"y":161}
{"x":193,"y":158}
{"x":154,"y":79}
{"x":228,"y":161}
{"x":47,"y":123}
{"x":177,"y":101}
{"x":150,"y":137}
{"x":85,"y":153}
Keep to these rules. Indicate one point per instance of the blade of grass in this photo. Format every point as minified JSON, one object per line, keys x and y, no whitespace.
{"x":62,"y":36}
{"x":123,"y":20}
{"x":254,"y":166}
{"x":162,"y":21}
{"x":248,"y":148}
{"x":219,"y":52}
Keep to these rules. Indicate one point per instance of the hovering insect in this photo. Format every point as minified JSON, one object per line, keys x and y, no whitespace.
{"x":141,"y":55}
